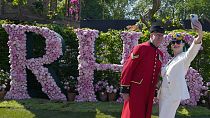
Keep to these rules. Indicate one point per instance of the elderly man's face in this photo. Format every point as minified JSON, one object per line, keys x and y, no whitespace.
{"x":156,"y":38}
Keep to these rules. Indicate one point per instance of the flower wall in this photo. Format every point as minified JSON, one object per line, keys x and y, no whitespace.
{"x":86,"y":60}
{"x":19,"y":63}
{"x":87,"y":63}
{"x":74,"y":9}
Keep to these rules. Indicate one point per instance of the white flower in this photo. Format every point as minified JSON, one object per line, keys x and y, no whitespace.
{"x":4,"y":86}
{"x":115,"y":90}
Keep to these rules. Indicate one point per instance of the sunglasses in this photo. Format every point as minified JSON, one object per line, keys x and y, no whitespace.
{"x":176,"y":41}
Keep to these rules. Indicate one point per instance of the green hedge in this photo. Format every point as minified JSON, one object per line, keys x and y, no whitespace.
{"x":108,"y":49}
{"x":202,"y":61}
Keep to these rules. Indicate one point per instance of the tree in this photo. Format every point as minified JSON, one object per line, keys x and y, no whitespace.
{"x":20,"y":4}
{"x":103,"y":9}
{"x":145,"y":10}
{"x":170,"y":10}
{"x":2,"y":4}
{"x":114,"y":9}
{"x":90,"y":9}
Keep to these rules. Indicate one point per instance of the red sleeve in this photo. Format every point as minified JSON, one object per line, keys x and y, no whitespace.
{"x":130,"y":65}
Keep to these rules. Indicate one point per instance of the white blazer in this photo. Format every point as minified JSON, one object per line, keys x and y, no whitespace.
{"x":173,"y":73}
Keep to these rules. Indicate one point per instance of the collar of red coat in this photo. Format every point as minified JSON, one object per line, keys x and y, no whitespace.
{"x":151,"y":44}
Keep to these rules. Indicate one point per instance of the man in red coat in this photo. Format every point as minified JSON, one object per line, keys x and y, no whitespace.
{"x":140,"y":75}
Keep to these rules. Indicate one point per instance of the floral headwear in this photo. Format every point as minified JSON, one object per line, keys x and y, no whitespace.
{"x":177,"y":36}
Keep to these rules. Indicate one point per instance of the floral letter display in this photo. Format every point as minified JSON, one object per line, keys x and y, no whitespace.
{"x":87,"y":63}
{"x":86,"y":59}
{"x":19,"y":63}
{"x":193,"y":78}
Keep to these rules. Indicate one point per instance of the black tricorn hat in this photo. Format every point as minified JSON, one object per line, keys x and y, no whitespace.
{"x":156,"y":28}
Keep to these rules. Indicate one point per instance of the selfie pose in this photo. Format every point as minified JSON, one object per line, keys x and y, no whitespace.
{"x":174,"y":86}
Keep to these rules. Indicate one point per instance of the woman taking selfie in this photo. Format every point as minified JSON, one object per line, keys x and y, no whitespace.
{"x":174,"y":88}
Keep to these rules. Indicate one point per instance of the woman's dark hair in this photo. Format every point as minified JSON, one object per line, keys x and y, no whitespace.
{"x":185,"y":48}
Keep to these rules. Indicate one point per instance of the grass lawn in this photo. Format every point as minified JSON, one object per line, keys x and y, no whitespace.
{"x":39,"y":108}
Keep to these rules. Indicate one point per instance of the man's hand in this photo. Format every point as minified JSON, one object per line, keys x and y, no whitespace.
{"x":125,"y":96}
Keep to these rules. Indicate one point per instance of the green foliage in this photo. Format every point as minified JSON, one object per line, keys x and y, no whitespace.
{"x":4,"y":80}
{"x":38,"y":7}
{"x":145,"y":36}
{"x":4,"y":49}
{"x":68,"y":63}
{"x":139,"y":7}
{"x":181,"y":9}
{"x":44,"y":108}
{"x":61,"y":9}
{"x":198,"y":7}
{"x":113,"y":9}
{"x":202,"y":61}
{"x":19,"y":2}
{"x":103,"y":9}
{"x":35,"y":45}
{"x":174,"y":9}
{"x":70,"y":84}
{"x":109,"y":47}
{"x":126,"y":9}
{"x":91,"y":9}
{"x":108,"y":50}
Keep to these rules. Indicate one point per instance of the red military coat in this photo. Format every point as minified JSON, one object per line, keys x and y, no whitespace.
{"x":140,"y":74}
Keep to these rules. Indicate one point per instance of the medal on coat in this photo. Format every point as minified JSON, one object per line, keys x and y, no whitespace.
{"x":160,"y":58}
{"x":134,"y":56}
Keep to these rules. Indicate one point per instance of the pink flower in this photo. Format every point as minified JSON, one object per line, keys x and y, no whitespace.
{"x":86,"y":53}
{"x":74,"y":1}
{"x":17,"y":45}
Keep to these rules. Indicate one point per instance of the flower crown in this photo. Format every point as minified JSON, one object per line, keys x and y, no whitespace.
{"x":177,"y":35}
